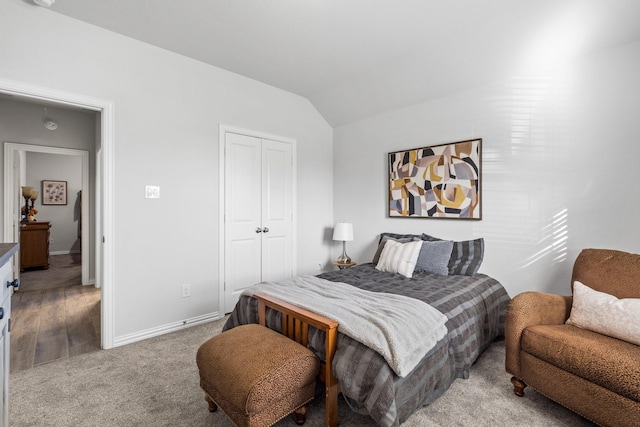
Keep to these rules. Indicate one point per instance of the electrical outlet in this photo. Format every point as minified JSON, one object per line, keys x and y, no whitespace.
{"x":186,"y":291}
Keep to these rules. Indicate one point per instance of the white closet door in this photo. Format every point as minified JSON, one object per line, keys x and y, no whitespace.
{"x":258,"y":213}
{"x":243,"y":215}
{"x":277,"y":188}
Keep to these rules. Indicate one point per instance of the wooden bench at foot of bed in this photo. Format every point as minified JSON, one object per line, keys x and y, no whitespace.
{"x":295,"y":325}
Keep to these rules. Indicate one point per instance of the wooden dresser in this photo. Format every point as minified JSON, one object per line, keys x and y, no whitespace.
{"x":34,"y":245}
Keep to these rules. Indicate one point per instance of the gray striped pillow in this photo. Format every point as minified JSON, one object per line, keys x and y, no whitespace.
{"x":466,"y":256}
{"x":396,"y":236}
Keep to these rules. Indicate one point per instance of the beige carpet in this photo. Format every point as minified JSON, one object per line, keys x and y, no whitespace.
{"x":155,"y":383}
{"x":64,"y":270}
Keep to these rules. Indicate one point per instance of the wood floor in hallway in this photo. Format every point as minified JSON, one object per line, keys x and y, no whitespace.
{"x":51,"y":324}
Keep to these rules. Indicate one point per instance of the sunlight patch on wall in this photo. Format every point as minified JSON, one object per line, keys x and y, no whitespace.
{"x":521,"y":170}
{"x":554,"y":236}
{"x":528,"y":121}
{"x":536,"y":138}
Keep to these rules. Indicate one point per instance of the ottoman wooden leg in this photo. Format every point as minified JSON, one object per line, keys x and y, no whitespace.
{"x":301,"y":414}
{"x":212,"y":405}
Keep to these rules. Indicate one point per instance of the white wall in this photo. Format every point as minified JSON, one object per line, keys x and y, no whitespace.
{"x":558,"y":166}
{"x":167,"y":110}
{"x":64,"y":219}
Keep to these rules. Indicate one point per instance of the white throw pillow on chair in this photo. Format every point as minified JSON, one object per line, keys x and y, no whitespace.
{"x":604,"y":313}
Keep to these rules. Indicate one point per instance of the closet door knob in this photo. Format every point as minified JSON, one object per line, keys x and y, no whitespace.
{"x":258,"y":230}
{"x":15,"y":283}
{"x":265,"y":230}
{"x":1,"y":313}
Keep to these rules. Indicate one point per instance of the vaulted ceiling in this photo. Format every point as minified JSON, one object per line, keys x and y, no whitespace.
{"x":354,"y":59}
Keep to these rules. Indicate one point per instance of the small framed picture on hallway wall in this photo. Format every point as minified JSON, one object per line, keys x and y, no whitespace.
{"x":54,"y":192}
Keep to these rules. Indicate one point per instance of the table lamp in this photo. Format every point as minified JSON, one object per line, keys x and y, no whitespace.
{"x":26,"y":193}
{"x":343,"y":231}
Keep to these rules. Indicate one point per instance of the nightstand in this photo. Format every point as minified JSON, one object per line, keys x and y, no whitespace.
{"x":342,"y":265}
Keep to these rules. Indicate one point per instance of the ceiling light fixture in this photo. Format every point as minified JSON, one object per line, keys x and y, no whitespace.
{"x":44,"y":3}
{"x":48,"y":123}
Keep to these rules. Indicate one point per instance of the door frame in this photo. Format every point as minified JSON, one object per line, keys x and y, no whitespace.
{"x":104,"y":210}
{"x":11,"y":221}
{"x":223,"y":129}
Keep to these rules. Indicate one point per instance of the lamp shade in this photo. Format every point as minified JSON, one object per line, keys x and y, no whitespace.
{"x":26,"y":191}
{"x":343,"y":231}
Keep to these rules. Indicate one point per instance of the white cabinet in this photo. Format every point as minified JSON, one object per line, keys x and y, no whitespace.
{"x":258,"y":214}
{"x":7,"y":250}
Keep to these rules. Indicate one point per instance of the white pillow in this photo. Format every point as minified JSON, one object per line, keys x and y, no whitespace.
{"x":605,"y":314}
{"x":399,"y":257}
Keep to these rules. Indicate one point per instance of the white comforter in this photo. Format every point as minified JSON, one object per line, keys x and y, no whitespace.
{"x":401,"y":329}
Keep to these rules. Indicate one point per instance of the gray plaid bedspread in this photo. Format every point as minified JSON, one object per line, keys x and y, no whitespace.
{"x":475,"y":307}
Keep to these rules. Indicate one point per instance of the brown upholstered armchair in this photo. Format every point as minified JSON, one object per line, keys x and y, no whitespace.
{"x":595,"y":375}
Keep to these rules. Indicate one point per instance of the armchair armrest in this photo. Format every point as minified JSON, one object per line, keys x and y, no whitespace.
{"x":527,"y":309}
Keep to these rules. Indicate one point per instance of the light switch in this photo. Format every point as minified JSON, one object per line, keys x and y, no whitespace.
{"x":152,"y":192}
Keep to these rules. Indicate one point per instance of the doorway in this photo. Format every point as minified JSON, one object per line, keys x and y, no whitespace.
{"x":14,"y":163}
{"x":103,"y":237}
{"x":55,"y":315}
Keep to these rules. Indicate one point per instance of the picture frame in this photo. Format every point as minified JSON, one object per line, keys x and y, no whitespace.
{"x":54,"y":192}
{"x":439,"y":181}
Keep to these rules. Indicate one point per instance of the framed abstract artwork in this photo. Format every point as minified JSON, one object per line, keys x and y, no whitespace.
{"x":54,"y":192}
{"x":441,"y":181}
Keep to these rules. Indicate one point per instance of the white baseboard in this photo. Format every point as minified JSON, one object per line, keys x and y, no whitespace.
{"x":64,"y":253}
{"x":165,"y":329}
{"x":59,"y":252}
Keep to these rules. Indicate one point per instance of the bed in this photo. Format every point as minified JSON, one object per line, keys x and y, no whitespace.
{"x":474,"y":306}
